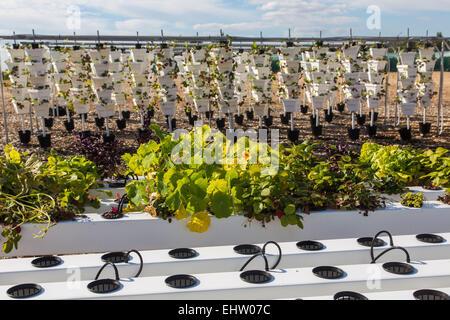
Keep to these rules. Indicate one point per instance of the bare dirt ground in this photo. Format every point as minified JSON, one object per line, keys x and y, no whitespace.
{"x":335,"y":132}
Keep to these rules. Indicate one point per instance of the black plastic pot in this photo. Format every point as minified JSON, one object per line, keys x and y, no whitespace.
{"x":121,"y":124}
{"x":250,"y":114}
{"x":247,"y":249}
{"x":23,"y":291}
{"x":126,"y":115}
{"x":310,"y":245}
{"x":268,"y":121}
{"x":209,"y":114}
{"x":285,"y":118}
{"x":399,"y":268}
{"x":62,"y":112}
{"x":183,"y":253}
{"x":239,"y":119}
{"x":304,"y":109}
{"x":46,"y":262}
{"x":425,"y":128}
{"x":256,"y":276}
{"x":368,"y":242}
{"x":317,"y":131}
{"x":114,"y":257}
{"x":193,"y":119}
{"x":69,"y":125}
{"x":328,"y":116}
{"x":45,"y":142}
{"x":293,"y":135}
{"x":174,"y":123}
{"x":25,"y":136}
{"x":109,"y":138}
{"x":405,"y":134}
{"x":341,"y":107}
{"x":100,"y":122}
{"x":372,"y":131}
{"x":353,"y":134}
{"x":220,"y":123}
{"x":431,"y":295}
{"x":49,"y":122}
{"x":361,"y":119}
{"x":105,"y":285}
{"x":181,"y":281}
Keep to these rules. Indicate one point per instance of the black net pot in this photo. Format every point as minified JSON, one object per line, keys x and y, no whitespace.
{"x":328,"y":116}
{"x":430,"y":295}
{"x":100,"y":122}
{"x":430,"y":238}
{"x":23,"y":291}
{"x":317,"y":131}
{"x":361,"y":119}
{"x":327,"y":272}
{"x":115,"y":257}
{"x":181,"y":281}
{"x":183,"y":253}
{"x":367,"y":242}
{"x":310,"y":245}
{"x":353,"y":134}
{"x":399,"y":268}
{"x":109,"y":138}
{"x":103,"y":286}
{"x":62,"y":112}
{"x":69,"y":125}
{"x":193,"y":119}
{"x":405,"y":134}
{"x":250,"y":114}
{"x":293,"y":135}
{"x":121,"y":124}
{"x":126,"y":115}
{"x":45,"y":141}
{"x":349,"y":295}
{"x":25,"y":136}
{"x":46,"y":262}
{"x":268,"y":121}
{"x":425,"y":128}
{"x":220,"y":123}
{"x":49,"y":122}
{"x":247,"y":249}
{"x":285,"y":118}
{"x":256,"y":276}
{"x":304,"y":109}
{"x":371,"y":130}
{"x":239,"y":119}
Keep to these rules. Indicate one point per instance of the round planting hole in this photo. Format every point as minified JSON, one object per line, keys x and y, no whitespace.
{"x":430,"y":295}
{"x":103,"y":286}
{"x":115,"y":257}
{"x":310,"y":245}
{"x":326,"y":272}
{"x":367,"y":242}
{"x":349,"y":295}
{"x":46,"y":262}
{"x":22,"y":291}
{"x":398,"y":268}
{"x":247,"y":249}
{"x":430,"y":238}
{"x":181,"y":281}
{"x":183,"y":253}
{"x":256,"y":276}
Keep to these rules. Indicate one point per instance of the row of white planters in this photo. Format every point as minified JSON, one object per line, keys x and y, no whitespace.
{"x":213,"y":259}
{"x":281,"y":283}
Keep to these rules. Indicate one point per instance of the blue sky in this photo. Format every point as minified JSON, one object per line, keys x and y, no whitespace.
{"x":207,"y":17}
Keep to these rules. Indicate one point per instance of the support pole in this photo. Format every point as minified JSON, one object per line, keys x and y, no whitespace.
{"x":441,"y":90}
{"x":5,"y":123}
{"x":387,"y":109}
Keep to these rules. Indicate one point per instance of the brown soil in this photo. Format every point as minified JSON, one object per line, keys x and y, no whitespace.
{"x":335,"y":132}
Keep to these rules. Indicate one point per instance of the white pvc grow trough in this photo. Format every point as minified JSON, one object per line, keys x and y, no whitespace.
{"x":221,"y":259}
{"x":143,"y":232}
{"x":284,"y":283}
{"x":388,"y":295}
